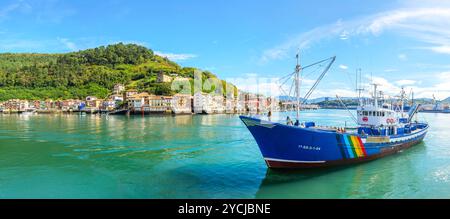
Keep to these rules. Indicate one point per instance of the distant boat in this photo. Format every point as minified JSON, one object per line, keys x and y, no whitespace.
{"x":380,"y":132}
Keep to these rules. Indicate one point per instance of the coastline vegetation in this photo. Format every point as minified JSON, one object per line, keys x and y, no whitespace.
{"x":91,"y":72}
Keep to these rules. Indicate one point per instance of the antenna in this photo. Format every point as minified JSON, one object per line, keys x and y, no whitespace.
{"x":375,"y":96}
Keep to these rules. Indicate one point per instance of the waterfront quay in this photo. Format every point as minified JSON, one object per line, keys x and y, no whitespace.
{"x":131,"y":101}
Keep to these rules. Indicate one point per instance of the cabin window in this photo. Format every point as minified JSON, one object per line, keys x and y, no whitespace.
{"x":383,"y":114}
{"x":365,"y":113}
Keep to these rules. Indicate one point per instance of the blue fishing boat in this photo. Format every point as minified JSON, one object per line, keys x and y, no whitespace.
{"x":379,"y":132}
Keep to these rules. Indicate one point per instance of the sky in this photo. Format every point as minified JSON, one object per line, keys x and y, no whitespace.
{"x":253,"y":43}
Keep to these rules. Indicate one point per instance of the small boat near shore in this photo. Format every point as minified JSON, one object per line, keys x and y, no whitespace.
{"x":379,"y":132}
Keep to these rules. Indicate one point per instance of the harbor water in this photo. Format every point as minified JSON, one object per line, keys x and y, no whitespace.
{"x":200,"y":156}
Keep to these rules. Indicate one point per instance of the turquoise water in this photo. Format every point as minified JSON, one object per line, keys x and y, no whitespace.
{"x":213,"y":156}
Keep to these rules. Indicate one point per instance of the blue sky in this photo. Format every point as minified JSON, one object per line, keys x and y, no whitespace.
{"x":397,"y":42}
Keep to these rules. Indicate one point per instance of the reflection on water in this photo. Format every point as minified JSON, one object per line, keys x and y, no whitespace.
{"x":391,"y":177}
{"x":213,"y":156}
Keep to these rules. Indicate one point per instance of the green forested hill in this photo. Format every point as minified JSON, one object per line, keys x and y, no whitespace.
{"x":89,"y":72}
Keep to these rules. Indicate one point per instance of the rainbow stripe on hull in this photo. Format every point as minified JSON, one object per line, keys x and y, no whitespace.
{"x":351,"y":146}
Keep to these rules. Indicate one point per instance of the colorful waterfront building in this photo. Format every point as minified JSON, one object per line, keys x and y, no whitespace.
{"x":108,"y":105}
{"x":128,"y":94}
{"x":12,"y":105}
{"x":116,"y":97}
{"x":69,"y":105}
{"x":230,"y":105}
{"x":93,"y":103}
{"x":137,"y":101}
{"x":119,"y":89}
{"x":218,"y":104}
{"x":160,"y":104}
{"x":182,"y":104}
{"x":203,"y":103}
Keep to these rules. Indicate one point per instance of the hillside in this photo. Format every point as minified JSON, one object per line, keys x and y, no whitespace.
{"x":90,"y":72}
{"x":446,"y":100}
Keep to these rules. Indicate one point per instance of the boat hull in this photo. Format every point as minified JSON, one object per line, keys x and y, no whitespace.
{"x":285,"y":146}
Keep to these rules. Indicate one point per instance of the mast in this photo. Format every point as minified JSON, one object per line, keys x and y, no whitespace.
{"x":375,"y":95}
{"x":402,"y":101}
{"x":298,"y":68}
{"x":359,"y":88}
{"x":296,"y":83}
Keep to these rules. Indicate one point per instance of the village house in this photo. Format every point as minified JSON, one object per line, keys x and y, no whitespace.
{"x":160,"y":104}
{"x":108,"y":105}
{"x":218,"y":104}
{"x":240,"y":103}
{"x":70,"y":105}
{"x":49,"y":104}
{"x":137,"y":101}
{"x":12,"y":105}
{"x":39,"y":104}
{"x":162,"y":78}
{"x":144,"y":102}
{"x":116,"y":97}
{"x":15,"y":105}
{"x":118,"y":89}
{"x":231,"y":105}
{"x":251,"y":103}
{"x":128,"y":94}
{"x":203,"y":103}
{"x":93,"y":103}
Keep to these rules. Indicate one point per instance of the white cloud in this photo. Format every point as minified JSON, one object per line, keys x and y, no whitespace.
{"x":302,"y":41}
{"x":20,"y":6}
{"x":176,"y":57}
{"x":402,"y":57}
{"x":272,"y":87}
{"x":427,"y":25}
{"x":343,"y":67}
{"x":68,"y":44}
{"x":258,"y":85}
{"x":251,"y":82}
{"x":441,"y":49}
{"x":440,"y":89}
{"x":405,"y":82}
